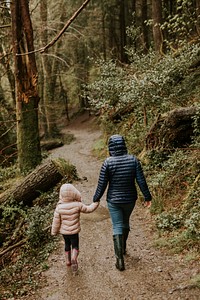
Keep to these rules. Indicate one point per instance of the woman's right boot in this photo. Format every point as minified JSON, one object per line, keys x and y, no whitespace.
{"x":118,"y":246}
{"x":74,"y":262}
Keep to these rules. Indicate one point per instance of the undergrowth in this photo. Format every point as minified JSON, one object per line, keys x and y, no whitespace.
{"x":26,"y":242}
{"x":130,"y":100}
{"x":28,"y":229}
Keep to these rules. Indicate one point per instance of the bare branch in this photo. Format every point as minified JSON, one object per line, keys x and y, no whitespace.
{"x":20,"y":243}
{"x":43,"y":49}
{"x":66,"y":26}
{"x":5,"y":26}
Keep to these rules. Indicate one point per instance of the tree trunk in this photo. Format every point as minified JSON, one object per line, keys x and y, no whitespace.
{"x":174,"y":130}
{"x":29,"y":153}
{"x":5,"y":50}
{"x":49,"y":72}
{"x":103,"y":22}
{"x":42,"y":179}
{"x":144,"y":17}
{"x":122,"y":21}
{"x":157,"y":21}
{"x":44,"y":41}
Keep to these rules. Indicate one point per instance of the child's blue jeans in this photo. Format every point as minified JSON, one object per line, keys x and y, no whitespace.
{"x":120,"y":215}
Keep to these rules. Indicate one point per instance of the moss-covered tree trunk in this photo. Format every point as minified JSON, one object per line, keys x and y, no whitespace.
{"x":40,"y":180}
{"x":28,"y":143}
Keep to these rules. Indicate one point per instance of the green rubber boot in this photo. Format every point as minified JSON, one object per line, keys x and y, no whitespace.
{"x":118,"y":247}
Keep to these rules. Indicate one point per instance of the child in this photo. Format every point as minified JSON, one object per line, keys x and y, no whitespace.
{"x":66,"y":221}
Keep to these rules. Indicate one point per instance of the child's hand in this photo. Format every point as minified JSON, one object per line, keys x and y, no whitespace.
{"x":147,"y":204}
{"x":97,"y":203}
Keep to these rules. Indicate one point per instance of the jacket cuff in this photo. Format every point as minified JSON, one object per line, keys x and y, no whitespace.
{"x":96,"y":200}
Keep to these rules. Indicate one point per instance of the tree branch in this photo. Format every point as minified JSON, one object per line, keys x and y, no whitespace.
{"x":43,"y":49}
{"x":20,"y":243}
{"x":66,"y":26}
{"x":5,"y":26}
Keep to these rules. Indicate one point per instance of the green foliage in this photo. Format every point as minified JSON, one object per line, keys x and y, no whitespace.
{"x":68,"y":138}
{"x":129,"y":100}
{"x":37,"y":218}
{"x":20,"y":277}
{"x":147,"y":81}
{"x":66,"y":169}
{"x":12,"y":212}
{"x":104,"y":93}
{"x":182,"y":23}
{"x":99,"y":149}
{"x":196,"y":130}
{"x":192,"y":224}
{"x":169,"y":221}
{"x":195,"y":281}
{"x":8,"y":173}
{"x":184,"y":221}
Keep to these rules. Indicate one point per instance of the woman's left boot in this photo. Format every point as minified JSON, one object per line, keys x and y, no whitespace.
{"x":68,"y":258}
{"x":118,"y":246}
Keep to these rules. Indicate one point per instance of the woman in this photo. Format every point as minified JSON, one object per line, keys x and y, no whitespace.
{"x":119,"y":172}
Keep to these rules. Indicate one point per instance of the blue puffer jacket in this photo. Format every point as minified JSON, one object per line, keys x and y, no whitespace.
{"x":119,"y":172}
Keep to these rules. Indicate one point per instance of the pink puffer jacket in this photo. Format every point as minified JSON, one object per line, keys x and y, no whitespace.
{"x":66,"y":218}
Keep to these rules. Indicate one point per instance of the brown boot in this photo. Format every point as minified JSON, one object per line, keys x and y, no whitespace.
{"x":68,"y":258}
{"x":74,"y":263}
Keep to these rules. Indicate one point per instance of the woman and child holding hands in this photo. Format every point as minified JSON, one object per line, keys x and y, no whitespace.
{"x":119,"y":172}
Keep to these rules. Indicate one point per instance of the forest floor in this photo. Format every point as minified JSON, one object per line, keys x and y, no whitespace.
{"x":150,"y":274}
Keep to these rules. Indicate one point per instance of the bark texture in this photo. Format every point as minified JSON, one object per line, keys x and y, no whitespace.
{"x":42,"y":179}
{"x":27,"y":98}
{"x":173,"y":130}
{"x":157,"y":21}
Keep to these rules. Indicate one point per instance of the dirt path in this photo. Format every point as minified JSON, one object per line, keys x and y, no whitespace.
{"x":149,"y":275}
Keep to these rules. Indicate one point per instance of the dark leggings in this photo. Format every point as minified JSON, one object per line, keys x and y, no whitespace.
{"x":71,"y":241}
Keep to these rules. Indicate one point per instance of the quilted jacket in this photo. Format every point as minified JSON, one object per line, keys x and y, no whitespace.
{"x":120,"y":172}
{"x":66,"y":218}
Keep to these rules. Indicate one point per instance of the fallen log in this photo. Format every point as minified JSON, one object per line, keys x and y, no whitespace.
{"x":41,"y":180}
{"x":174,"y":130}
{"x":49,"y":145}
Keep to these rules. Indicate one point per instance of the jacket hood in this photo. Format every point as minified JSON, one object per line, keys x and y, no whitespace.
{"x":117,"y":145}
{"x":69,"y":193}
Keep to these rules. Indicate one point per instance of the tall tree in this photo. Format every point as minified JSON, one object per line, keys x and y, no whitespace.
{"x":27,"y":99}
{"x":5,"y":49}
{"x":122,"y":19}
{"x":144,"y":17}
{"x":157,"y":21}
{"x":50,"y":66}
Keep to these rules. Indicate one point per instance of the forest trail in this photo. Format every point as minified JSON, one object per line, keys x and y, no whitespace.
{"x":150,"y":273}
